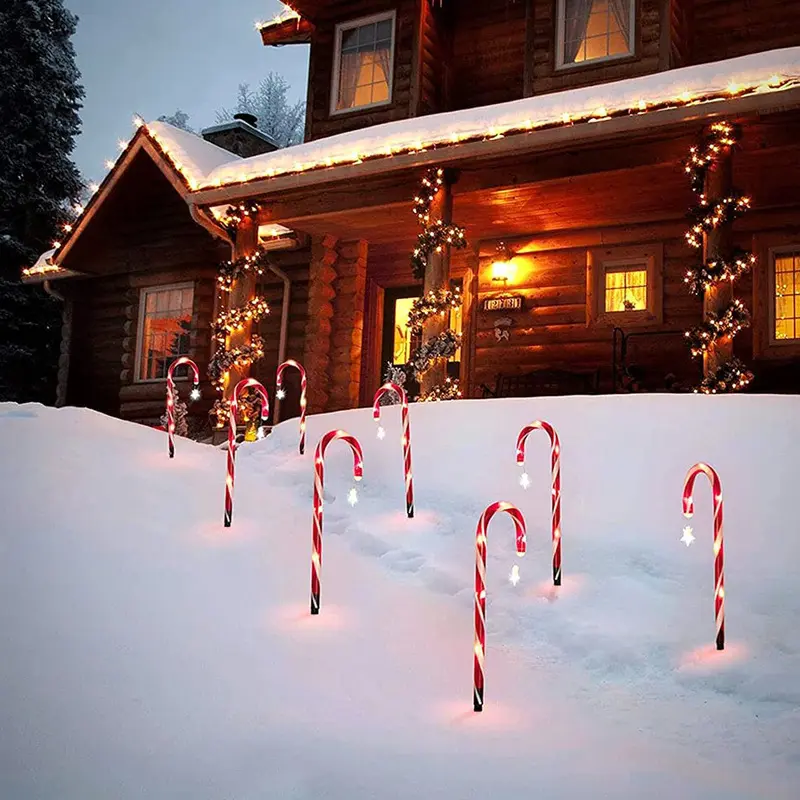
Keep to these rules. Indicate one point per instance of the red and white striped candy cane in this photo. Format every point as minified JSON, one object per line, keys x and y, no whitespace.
{"x":319,"y":478}
{"x":406,"y":441}
{"x":719,"y":551}
{"x":480,"y":587}
{"x":243,"y":385}
{"x":172,"y":396}
{"x":555,"y":485}
{"x":303,"y":402}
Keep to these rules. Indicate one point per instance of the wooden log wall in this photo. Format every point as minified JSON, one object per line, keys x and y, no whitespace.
{"x":730,"y":28}
{"x":319,"y":121}
{"x":295,"y":263}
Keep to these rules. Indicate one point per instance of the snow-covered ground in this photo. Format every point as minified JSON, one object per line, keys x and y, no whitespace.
{"x":149,"y":652}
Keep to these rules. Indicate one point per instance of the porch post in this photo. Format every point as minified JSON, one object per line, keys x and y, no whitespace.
{"x":242,"y":290}
{"x":437,"y":275}
{"x":718,"y":243}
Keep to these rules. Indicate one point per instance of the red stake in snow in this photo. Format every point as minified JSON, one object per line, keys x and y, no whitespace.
{"x":172,"y":396}
{"x":303,"y":402}
{"x":406,"y":441}
{"x":555,"y":485}
{"x":480,"y":587}
{"x":719,"y":552}
{"x":319,"y":478}
{"x":243,"y":385}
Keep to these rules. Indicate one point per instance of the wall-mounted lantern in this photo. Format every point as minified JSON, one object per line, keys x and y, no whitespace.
{"x":503,"y":265}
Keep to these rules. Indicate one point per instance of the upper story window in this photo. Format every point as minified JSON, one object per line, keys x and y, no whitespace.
{"x":594,"y":30}
{"x":363,"y":63}
{"x":165,"y":321}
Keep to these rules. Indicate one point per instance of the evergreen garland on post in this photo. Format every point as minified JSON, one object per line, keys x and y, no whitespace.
{"x":435,"y":236}
{"x":230,"y":320}
{"x":39,"y":103}
{"x":708,"y":215}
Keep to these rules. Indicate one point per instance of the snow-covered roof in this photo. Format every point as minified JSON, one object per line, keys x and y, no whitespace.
{"x":45,"y":269}
{"x":772,"y":71}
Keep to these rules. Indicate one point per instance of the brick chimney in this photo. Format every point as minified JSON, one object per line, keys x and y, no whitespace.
{"x":240,"y":136}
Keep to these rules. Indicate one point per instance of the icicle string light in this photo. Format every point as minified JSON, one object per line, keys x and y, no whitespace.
{"x":303,"y":399}
{"x":245,"y":385}
{"x":319,"y":481}
{"x":393,"y":388}
{"x":555,"y":485}
{"x":719,"y":552}
{"x":480,"y":590}
{"x":172,"y":396}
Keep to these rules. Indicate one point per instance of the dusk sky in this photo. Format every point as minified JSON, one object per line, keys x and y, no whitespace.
{"x":151,"y":57}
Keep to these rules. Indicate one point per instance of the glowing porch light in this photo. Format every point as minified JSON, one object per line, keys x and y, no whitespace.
{"x":503,"y":265}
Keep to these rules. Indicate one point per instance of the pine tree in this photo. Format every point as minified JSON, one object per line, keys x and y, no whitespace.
{"x":268,"y":103}
{"x":39,"y":102}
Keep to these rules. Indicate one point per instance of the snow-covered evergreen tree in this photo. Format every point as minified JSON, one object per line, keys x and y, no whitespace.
{"x":268,"y":102}
{"x":39,"y":102}
{"x":180,"y":119}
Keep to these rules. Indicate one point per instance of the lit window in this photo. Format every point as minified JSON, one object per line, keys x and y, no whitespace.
{"x":787,"y":295}
{"x":626,"y":288}
{"x":363,"y":63}
{"x":165,"y":322}
{"x":401,"y":351}
{"x":594,"y":29}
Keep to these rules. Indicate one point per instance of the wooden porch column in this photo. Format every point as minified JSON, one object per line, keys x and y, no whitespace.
{"x":718,"y":243}
{"x":243,"y":289}
{"x":437,"y":275}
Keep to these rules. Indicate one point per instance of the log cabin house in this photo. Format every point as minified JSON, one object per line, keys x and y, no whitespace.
{"x":559,"y":131}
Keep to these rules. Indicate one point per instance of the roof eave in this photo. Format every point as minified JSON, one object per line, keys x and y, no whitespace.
{"x":511,"y":145}
{"x":290,"y":31}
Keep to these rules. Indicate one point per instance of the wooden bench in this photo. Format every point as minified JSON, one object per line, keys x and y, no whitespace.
{"x":544,"y":382}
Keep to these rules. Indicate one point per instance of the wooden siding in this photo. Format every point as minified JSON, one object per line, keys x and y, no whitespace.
{"x":319,"y":121}
{"x":729,"y":28}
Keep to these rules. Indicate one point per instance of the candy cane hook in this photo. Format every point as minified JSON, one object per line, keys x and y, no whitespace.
{"x":319,"y":477}
{"x":303,"y":402}
{"x":247,"y":383}
{"x":480,"y":588}
{"x":555,"y":485}
{"x":406,"y":440}
{"x":172,"y":396}
{"x":719,"y":551}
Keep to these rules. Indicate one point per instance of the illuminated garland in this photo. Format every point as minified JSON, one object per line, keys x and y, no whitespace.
{"x":730,"y":377}
{"x":718,"y":141}
{"x":436,"y":301}
{"x":444,"y":391}
{"x":710,"y":214}
{"x":229,"y":321}
{"x":735,"y":318}
{"x":439,"y":348}
{"x":234,"y":216}
{"x":716,"y":270}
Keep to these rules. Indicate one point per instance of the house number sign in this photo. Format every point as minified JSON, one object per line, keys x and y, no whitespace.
{"x":507,"y":302}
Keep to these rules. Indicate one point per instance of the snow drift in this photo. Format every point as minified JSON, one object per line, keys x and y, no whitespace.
{"x":147,"y":652}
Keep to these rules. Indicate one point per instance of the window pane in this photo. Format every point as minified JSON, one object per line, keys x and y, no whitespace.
{"x":787,"y":293}
{"x":626,"y":289}
{"x":384,"y":29}
{"x":596,"y":29}
{"x":366,"y":36}
{"x":364,"y":65}
{"x":166,"y":331}
{"x":350,"y":39}
{"x":401,"y":351}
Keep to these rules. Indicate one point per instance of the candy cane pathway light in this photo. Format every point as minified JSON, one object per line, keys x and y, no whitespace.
{"x":172,"y":396}
{"x":480,"y":588}
{"x":242,"y":386}
{"x":319,"y":478}
{"x":719,"y":551}
{"x":280,"y":394}
{"x":406,"y":440}
{"x":555,"y":485}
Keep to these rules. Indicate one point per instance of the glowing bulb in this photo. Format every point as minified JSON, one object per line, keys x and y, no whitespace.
{"x":93,"y":187}
{"x":381,"y":432}
{"x":109,"y":163}
{"x":280,"y":394}
{"x":195,"y":394}
{"x":122,"y":144}
{"x":687,"y":537}
{"x":352,"y":496}
{"x":524,"y":480}
{"x":514,"y":577}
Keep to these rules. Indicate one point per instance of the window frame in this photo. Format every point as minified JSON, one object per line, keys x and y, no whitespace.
{"x":765,"y":343}
{"x":143,"y":292}
{"x":337,"y":61}
{"x":600,"y":259}
{"x":561,"y":16}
